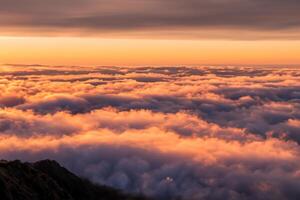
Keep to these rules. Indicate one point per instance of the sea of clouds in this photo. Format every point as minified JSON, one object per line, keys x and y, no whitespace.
{"x":168,"y":132}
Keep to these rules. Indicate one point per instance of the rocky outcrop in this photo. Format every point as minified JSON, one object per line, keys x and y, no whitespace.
{"x":47,"y":180}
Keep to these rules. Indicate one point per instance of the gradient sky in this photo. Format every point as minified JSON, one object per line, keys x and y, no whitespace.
{"x":132,"y":32}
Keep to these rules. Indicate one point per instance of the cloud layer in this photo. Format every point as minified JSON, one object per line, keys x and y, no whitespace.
{"x":199,"y":18}
{"x":168,"y":132}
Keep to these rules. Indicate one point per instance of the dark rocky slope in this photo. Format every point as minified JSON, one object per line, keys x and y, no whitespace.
{"x":47,"y":180}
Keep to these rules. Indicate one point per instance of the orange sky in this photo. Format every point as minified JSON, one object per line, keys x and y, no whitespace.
{"x":100,"y":51}
{"x":141,"y":32}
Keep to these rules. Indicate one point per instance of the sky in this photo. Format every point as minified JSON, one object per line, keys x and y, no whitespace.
{"x":158,"y":32}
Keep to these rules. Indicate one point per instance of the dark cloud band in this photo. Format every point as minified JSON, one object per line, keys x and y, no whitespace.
{"x":131,"y":15}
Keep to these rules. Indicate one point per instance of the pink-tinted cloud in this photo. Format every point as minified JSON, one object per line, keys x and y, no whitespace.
{"x":190,"y":132}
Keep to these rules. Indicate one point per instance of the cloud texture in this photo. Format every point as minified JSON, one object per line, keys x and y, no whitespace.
{"x":167,"y":132}
{"x":258,"y":18}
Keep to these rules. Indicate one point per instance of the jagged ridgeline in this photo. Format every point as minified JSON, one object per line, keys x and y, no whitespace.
{"x":47,"y":180}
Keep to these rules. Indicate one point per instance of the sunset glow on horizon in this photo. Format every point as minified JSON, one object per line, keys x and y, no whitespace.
{"x":125,"y":52}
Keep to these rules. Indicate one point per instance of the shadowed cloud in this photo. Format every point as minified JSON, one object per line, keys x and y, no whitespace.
{"x":266,"y":16}
{"x":168,"y":132}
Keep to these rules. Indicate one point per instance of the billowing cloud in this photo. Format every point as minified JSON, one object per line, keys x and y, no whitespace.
{"x":179,"y":168}
{"x":198,"y":18}
{"x":168,"y":132}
